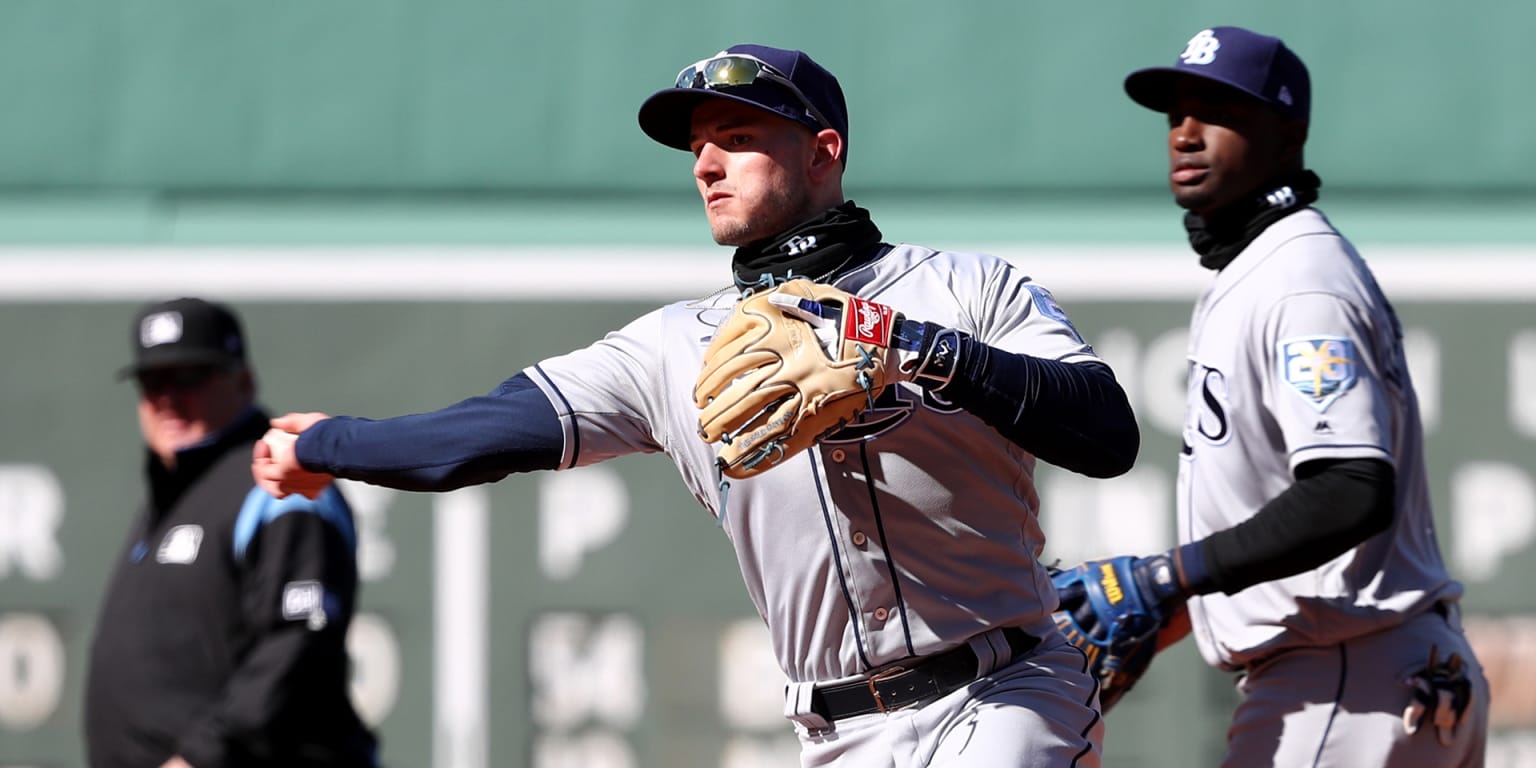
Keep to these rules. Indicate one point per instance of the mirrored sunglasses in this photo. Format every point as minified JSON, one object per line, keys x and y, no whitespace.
{"x":732,"y":69}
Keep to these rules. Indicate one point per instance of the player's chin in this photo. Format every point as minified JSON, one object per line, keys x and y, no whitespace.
{"x":729,"y":231}
{"x":1193,"y":197}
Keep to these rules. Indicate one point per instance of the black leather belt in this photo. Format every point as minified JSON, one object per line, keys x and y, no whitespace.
{"x":905,"y":685}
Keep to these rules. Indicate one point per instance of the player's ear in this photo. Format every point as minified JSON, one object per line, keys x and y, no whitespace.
{"x":826,"y":154}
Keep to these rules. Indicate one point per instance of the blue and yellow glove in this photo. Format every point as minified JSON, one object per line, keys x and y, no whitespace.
{"x":1113,"y":610}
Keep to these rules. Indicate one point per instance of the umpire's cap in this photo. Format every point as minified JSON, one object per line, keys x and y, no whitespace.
{"x":185,"y":332}
{"x":1258,"y":65}
{"x":791,"y":86}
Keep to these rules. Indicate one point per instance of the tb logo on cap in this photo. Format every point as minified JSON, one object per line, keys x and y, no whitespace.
{"x":1201,"y":49}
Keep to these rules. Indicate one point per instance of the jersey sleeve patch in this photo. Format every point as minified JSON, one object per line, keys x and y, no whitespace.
{"x":1046,"y":304}
{"x":1319,"y":368}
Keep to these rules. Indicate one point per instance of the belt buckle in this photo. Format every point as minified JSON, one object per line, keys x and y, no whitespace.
{"x":877,"y":677}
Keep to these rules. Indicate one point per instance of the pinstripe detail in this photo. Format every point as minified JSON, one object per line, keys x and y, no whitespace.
{"x":890,"y":559}
{"x":1338,"y":698}
{"x":575,"y":427}
{"x":1087,"y":748}
{"x":837,"y":558}
{"x":1095,"y":678}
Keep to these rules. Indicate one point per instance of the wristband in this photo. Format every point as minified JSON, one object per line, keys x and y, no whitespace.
{"x":929,"y":353}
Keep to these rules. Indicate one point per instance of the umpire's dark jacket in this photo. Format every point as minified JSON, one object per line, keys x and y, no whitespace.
{"x":222,"y":634}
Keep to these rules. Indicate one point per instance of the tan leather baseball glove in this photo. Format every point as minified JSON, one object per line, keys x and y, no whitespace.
{"x":790,"y":366}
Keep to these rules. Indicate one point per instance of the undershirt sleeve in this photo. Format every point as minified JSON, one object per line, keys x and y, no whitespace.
{"x":479,"y":440}
{"x":1332,"y":507}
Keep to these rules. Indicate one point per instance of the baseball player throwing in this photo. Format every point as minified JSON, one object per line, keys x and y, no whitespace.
{"x":1309,"y":561}
{"x":863,"y":420}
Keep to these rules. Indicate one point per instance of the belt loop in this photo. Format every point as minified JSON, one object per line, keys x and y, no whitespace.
{"x":991,"y":650}
{"x":797,"y":706}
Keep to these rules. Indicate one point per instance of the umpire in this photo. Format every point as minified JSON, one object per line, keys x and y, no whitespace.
{"x":221,"y":640}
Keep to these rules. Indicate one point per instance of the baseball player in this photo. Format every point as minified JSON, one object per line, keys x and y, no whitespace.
{"x":895,"y":561}
{"x":1309,"y":559}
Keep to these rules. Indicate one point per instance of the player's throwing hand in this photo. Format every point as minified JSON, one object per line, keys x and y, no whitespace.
{"x":275,"y":464}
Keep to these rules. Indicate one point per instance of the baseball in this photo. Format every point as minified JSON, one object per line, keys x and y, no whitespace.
{"x":279,"y":440}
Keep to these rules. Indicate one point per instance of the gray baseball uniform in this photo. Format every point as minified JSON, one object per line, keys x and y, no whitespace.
{"x":1296,"y":355}
{"x":910,"y":532}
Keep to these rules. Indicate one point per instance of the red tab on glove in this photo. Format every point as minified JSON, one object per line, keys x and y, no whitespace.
{"x":867,"y":322}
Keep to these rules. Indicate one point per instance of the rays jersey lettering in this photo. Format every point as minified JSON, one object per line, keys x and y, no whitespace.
{"x":892,"y":408}
{"x":1207,"y":418}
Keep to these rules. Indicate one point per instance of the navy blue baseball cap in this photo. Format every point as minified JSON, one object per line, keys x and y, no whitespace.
{"x":1258,"y":65}
{"x":784,"y":82}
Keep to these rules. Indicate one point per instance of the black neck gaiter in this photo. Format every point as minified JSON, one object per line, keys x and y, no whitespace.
{"x":1221,"y":237}
{"x":815,"y":248}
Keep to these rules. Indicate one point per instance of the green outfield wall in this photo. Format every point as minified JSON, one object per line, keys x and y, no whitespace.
{"x":596,"y":618}
{"x":414,"y":95}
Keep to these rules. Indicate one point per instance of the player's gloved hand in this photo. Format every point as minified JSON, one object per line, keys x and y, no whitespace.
{"x":924,"y":353}
{"x":795,"y":363}
{"x":1113,"y":610}
{"x":1441,"y":694}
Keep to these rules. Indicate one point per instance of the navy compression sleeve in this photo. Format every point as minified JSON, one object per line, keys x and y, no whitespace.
{"x":480,"y":440}
{"x":1073,"y":415}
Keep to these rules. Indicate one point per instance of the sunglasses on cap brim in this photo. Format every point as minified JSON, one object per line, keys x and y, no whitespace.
{"x":732,"y":69}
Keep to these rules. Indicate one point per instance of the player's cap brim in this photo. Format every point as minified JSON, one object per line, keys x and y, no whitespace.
{"x":1154,"y":87}
{"x":176,"y":358}
{"x":667,"y":116}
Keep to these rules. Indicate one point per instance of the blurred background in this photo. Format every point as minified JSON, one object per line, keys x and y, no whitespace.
{"x":409,"y":201}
